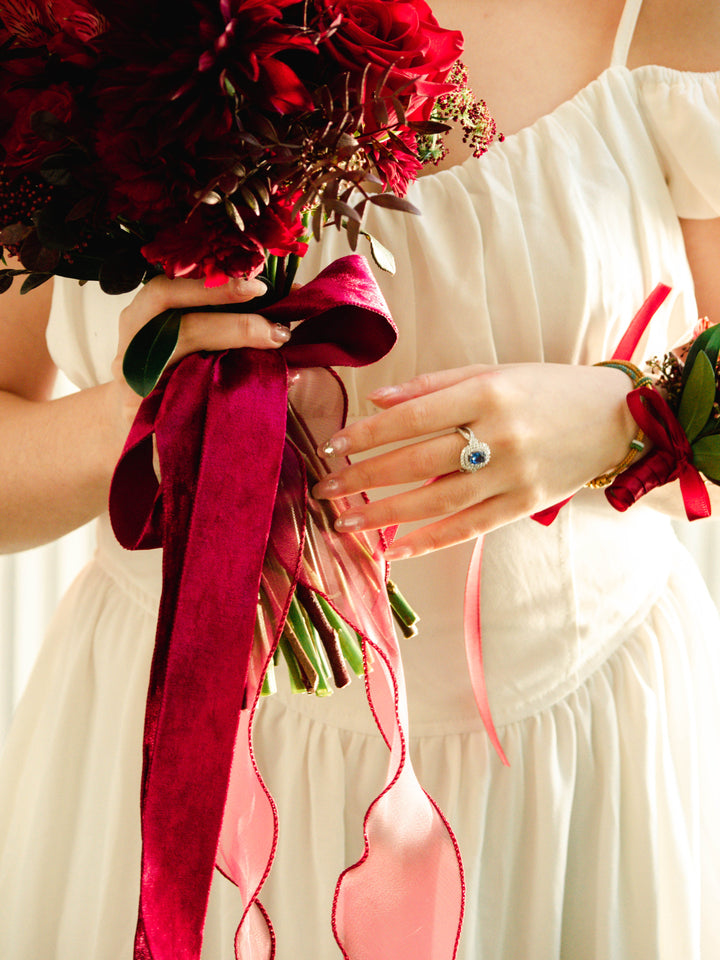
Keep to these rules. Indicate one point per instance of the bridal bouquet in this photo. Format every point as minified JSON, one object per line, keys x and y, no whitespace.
{"x":212,"y":139}
{"x":207,"y":144}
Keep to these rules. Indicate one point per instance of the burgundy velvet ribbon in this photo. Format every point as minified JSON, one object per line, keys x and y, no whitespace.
{"x":219,"y":421}
{"x":671,"y":458}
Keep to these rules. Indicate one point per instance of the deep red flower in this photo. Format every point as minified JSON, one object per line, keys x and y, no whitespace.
{"x":401,"y":36}
{"x":209,"y":245}
{"x":250,"y":45}
{"x":35,"y":22}
{"x":24,"y":148}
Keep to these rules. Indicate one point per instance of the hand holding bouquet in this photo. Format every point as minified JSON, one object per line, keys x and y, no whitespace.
{"x":207,"y":139}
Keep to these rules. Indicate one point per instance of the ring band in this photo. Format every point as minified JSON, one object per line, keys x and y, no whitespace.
{"x":475,"y":454}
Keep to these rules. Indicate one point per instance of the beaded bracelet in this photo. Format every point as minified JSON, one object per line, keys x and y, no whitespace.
{"x":637,"y":444}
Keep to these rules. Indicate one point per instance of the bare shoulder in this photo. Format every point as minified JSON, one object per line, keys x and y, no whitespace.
{"x":682,"y":34}
{"x":26,"y":367}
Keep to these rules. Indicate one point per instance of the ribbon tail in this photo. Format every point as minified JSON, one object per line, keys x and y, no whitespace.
{"x":639,"y":323}
{"x":473,"y":647}
{"x":205,"y":630}
{"x":696,"y":498}
{"x":403,"y":899}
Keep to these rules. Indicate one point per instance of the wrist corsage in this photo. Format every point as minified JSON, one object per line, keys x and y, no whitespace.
{"x":681,"y":416}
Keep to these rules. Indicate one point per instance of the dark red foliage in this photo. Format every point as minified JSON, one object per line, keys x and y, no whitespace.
{"x":198,"y":137}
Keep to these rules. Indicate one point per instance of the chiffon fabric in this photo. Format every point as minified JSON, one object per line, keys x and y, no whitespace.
{"x":601,"y":645}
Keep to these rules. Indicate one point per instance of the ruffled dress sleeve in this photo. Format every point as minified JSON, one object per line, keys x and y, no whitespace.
{"x":683,"y":118}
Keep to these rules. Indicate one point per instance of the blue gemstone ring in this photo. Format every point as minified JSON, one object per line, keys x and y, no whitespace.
{"x":475,"y":455}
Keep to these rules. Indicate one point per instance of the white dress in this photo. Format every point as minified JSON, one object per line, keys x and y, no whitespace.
{"x":602,"y":838}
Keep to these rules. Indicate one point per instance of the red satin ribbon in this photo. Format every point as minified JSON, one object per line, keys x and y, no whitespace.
{"x":219,"y":423}
{"x":671,"y":458}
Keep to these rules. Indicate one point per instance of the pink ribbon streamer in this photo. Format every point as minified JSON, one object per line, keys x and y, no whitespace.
{"x":473,"y":630}
{"x":218,"y":418}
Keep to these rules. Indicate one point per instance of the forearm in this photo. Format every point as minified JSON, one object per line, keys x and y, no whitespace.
{"x":56,"y":462}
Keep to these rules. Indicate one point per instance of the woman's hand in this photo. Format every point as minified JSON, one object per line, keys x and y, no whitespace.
{"x":198,"y":331}
{"x":551,"y":428}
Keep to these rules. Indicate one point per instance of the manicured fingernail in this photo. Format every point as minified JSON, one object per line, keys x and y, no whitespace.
{"x":335,"y":446}
{"x":349,"y":521}
{"x":397,"y":553}
{"x":385,"y":393}
{"x":328,"y":486}
{"x":279,"y":333}
{"x":256,"y":287}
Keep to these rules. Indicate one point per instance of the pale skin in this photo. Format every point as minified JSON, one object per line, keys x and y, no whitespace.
{"x":526,"y":57}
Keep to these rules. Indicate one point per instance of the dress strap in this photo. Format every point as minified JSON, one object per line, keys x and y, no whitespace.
{"x":625,"y":33}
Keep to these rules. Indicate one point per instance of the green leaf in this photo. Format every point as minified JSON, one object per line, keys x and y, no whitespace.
{"x":150,"y":350}
{"x":381,"y":255}
{"x":706,"y":457}
{"x":5,"y":282}
{"x":34,"y":280}
{"x":708,"y":342}
{"x":698,"y":397}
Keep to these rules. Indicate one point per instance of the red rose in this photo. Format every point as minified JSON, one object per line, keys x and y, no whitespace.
{"x":402,"y":35}
{"x":24,"y":148}
{"x":209,"y":245}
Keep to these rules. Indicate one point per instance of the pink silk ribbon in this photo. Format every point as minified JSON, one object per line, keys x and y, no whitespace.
{"x":670,"y":458}
{"x":219,"y":422}
{"x":473,"y":630}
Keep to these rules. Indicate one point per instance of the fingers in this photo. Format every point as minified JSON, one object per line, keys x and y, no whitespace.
{"x":442,"y":409}
{"x":161,"y":293}
{"x":449,"y":494}
{"x":467,"y":525}
{"x":412,"y":463}
{"x":202,"y":330}
{"x":420,"y":386}
{"x":225,"y":331}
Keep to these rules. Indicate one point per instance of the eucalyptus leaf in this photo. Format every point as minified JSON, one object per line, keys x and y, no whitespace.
{"x":391,"y":202}
{"x":698,"y":397}
{"x":34,"y":280}
{"x":150,"y":350}
{"x":15,"y":233}
{"x":36,"y":257}
{"x":5,"y":283}
{"x":53,"y":231}
{"x":706,"y":457}
{"x":122,"y":272}
{"x":380,"y":254}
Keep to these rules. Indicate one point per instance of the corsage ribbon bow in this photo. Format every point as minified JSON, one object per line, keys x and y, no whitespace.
{"x":671,"y":458}
{"x":231,"y":511}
